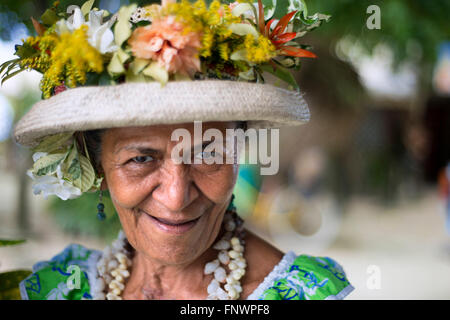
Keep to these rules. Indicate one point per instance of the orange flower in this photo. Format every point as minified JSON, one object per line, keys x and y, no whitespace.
{"x":167,"y":42}
{"x":279,"y":37}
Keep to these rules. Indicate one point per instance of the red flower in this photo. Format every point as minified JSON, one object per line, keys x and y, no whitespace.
{"x":59,"y":89}
{"x":278,"y":37}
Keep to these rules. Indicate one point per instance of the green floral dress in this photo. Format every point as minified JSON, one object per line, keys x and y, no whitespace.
{"x":295,"y":277}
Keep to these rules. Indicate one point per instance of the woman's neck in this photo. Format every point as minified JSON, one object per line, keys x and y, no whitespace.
{"x":153,"y":280}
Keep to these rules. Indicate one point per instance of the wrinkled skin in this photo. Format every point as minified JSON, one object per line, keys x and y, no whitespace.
{"x":146,"y":185}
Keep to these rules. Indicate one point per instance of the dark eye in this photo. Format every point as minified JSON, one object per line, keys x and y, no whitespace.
{"x":206,"y":155}
{"x":142,"y":159}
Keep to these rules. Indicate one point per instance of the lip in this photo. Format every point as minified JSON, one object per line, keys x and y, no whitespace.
{"x":172,"y":225}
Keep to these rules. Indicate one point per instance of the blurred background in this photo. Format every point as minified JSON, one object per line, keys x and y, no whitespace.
{"x":365,"y":182}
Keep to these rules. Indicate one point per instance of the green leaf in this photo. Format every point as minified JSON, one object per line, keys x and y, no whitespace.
{"x":86,"y":7}
{"x":115,"y":66}
{"x":87,"y":174}
{"x":282,"y":74}
{"x":47,"y":165}
{"x":5,"y":65}
{"x":75,"y":170}
{"x":131,"y":77}
{"x":157,"y":72}
{"x":269,"y":8}
{"x":247,"y":75}
{"x":53,"y":142}
{"x":138,"y":65}
{"x":97,"y":183}
{"x":122,"y":29}
{"x":9,"y":284}
{"x":4,"y":242}
{"x":239,"y":55}
{"x":25,"y":51}
{"x":79,"y":171}
{"x":49,"y":17}
{"x":105,"y":79}
{"x":10,"y":75}
{"x":243,"y":29}
{"x":242,"y":8}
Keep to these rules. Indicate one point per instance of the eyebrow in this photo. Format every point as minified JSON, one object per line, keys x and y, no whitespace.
{"x":149,"y":151}
{"x":139,"y":148}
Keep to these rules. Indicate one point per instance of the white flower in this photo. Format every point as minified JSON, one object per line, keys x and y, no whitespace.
{"x":100,"y":35}
{"x":52,"y":185}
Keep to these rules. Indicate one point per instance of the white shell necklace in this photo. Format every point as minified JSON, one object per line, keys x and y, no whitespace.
{"x":113,"y":266}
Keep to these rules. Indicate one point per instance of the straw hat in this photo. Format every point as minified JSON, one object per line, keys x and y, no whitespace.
{"x":146,"y":60}
{"x":140,"y":104}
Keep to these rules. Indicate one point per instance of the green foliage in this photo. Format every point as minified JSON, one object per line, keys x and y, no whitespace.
{"x":9,"y":281}
{"x":404,"y":23}
{"x":282,"y":74}
{"x":19,"y":12}
{"x":9,"y":284}
{"x":79,"y":216}
{"x":4,"y":242}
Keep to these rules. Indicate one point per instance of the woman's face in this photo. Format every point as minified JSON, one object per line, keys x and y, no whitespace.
{"x":170,"y":212}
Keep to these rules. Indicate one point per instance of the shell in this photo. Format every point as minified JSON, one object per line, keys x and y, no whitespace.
{"x":111,"y":296}
{"x":112,"y":264}
{"x":236,"y":274}
{"x":232,"y":265}
{"x":221,"y":294}
{"x":233,"y":254}
{"x":232,"y":293}
{"x":123,"y":266}
{"x":230,"y":280}
{"x":237,"y":287}
{"x":235,"y":241}
{"x":220,"y":274}
{"x":119,"y":278}
{"x":124,"y":273}
{"x":117,"y":292}
{"x":222,"y":245}
{"x":210,"y":267}
{"x":223,"y":257}
{"x":213,"y":286}
{"x":241,"y":264}
{"x":230,"y":225}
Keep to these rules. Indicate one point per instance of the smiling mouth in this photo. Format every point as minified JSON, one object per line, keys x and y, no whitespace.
{"x":173,"y":226}
{"x":174,"y":222}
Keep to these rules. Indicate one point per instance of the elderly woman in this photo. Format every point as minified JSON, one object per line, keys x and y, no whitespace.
{"x":107,"y":123}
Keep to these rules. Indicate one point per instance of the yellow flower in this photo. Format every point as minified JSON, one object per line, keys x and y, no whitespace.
{"x":224,"y":51}
{"x":259,"y":50}
{"x":70,"y":60}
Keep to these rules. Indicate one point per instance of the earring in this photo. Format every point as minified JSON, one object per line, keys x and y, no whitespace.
{"x":101,"y":207}
{"x":231,"y":206}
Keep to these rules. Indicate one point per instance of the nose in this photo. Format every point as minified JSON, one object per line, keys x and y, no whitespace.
{"x":176,"y":189}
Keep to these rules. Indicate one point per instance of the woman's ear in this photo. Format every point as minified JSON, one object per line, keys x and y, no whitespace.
{"x":104,"y":185}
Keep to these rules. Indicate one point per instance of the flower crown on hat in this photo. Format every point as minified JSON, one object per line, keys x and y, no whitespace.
{"x":168,"y":42}
{"x":173,"y":41}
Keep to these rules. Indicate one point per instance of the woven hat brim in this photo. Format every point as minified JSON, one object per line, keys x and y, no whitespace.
{"x":142,"y":104}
